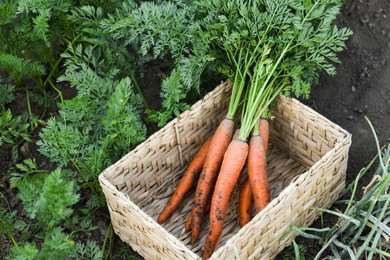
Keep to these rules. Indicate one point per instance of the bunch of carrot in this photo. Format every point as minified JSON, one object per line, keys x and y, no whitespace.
{"x":218,"y":165}
{"x":270,"y":47}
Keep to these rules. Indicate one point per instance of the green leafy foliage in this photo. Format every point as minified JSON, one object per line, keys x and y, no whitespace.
{"x":168,"y":32}
{"x":6,"y":222}
{"x":91,"y":131}
{"x":25,"y":169}
{"x":7,"y":95}
{"x":62,"y":143}
{"x":48,"y":198}
{"x":122,"y":121}
{"x":99,"y":125}
{"x":88,"y":250}
{"x":33,"y":34}
{"x":19,"y":67}
{"x":28,"y":251}
{"x":47,"y":201}
{"x":307,"y":30}
{"x":28,"y":36}
{"x":117,"y":58}
{"x":12,"y":128}
{"x":56,"y":245}
{"x":154,"y":29}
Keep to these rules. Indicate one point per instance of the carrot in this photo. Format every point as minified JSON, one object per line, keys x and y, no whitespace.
{"x":233,"y":162}
{"x":189,"y":218}
{"x":236,"y":133}
{"x":208,"y":177}
{"x":257,"y":172}
{"x":187,"y":225}
{"x":187,"y":181}
{"x":246,"y":195}
{"x":264,"y":132}
{"x":245,"y":203}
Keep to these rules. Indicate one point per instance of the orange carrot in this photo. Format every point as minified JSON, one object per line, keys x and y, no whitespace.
{"x":187,"y":181}
{"x":264,"y":132}
{"x":245,"y":203}
{"x":257,"y":172}
{"x":233,"y":162}
{"x":208,"y":177}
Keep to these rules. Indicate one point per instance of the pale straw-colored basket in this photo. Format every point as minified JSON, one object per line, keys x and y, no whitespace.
{"x":307,"y":161}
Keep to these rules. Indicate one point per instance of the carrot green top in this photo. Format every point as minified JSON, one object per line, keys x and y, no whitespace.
{"x":270,"y":47}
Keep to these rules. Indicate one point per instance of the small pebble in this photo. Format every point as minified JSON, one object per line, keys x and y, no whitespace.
{"x":353,"y":88}
{"x":358,"y":110}
{"x":350,"y":117}
{"x":25,"y":149}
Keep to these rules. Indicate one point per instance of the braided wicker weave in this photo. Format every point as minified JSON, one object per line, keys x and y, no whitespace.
{"x":307,"y":161}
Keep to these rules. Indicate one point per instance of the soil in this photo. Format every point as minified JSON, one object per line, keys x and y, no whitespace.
{"x":360,"y":89}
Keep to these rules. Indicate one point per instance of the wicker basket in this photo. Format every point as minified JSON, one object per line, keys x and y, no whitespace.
{"x":307,"y":161}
